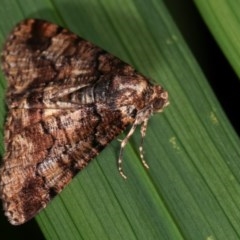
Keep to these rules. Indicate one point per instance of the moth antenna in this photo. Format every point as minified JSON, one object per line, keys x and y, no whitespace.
{"x":123,"y":144}
{"x":143,"y":134}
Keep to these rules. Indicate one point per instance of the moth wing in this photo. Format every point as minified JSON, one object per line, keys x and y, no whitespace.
{"x":43,"y":154}
{"x":38,"y":52}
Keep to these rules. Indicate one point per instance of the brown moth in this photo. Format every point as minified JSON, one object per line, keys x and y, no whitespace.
{"x":67,"y":99}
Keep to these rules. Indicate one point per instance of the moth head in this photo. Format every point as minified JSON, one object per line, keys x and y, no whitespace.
{"x":159,"y":99}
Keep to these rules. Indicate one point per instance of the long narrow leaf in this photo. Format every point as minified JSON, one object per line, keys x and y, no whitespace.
{"x":223,"y":20}
{"x":191,"y":190}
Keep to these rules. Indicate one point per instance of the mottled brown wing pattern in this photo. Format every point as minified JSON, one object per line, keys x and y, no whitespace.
{"x":67,"y":100}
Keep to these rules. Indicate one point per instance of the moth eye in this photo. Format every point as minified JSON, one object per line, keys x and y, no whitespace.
{"x":133,"y":113}
{"x":158,"y":104}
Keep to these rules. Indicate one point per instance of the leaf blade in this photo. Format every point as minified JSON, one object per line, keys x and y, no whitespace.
{"x":191,"y":188}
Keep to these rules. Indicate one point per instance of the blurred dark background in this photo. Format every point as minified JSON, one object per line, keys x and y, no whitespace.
{"x":215,"y":66}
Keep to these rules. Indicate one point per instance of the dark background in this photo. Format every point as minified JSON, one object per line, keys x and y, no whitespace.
{"x":219,"y":73}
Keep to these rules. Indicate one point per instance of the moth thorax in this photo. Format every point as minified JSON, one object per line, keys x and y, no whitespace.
{"x":84,"y":96}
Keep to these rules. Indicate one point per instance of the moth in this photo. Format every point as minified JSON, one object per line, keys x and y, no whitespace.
{"x":67,"y":99}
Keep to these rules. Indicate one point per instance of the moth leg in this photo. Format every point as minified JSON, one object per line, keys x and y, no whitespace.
{"x":143,"y":134}
{"x":123,"y":144}
{"x":125,"y":140}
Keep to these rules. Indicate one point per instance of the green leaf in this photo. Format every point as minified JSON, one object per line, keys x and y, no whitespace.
{"x":222,"y":18}
{"x":191,"y":190}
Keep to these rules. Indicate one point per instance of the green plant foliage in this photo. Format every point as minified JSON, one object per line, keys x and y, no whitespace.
{"x":222,"y":18}
{"x":191,"y":190}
